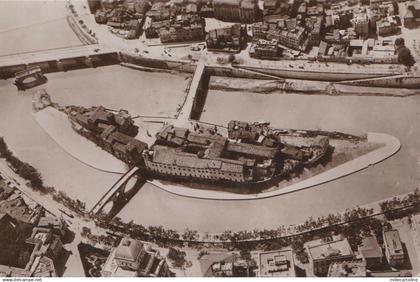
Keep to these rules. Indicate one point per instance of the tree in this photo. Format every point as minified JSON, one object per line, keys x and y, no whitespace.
{"x":231,"y":58}
{"x":405,"y":57}
{"x":245,"y":254}
{"x":177,"y":257}
{"x":85,"y":231}
{"x":3,"y":147}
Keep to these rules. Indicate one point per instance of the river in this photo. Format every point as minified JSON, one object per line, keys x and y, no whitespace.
{"x":27,"y":26}
{"x":352,"y":114}
{"x":155,"y":93}
{"x":114,"y":87}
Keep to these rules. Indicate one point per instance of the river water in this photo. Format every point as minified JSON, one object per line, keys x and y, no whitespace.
{"x":352,"y":114}
{"x":34,"y":25}
{"x":157,"y":93}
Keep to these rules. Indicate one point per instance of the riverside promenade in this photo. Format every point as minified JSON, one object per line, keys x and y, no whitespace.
{"x":373,"y":210}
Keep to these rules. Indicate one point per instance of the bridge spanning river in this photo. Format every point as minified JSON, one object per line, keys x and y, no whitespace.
{"x":60,"y":59}
{"x":183,"y":118}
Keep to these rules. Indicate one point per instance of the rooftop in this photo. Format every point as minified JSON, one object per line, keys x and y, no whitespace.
{"x":128,"y":249}
{"x":370,"y":248}
{"x":276,"y":263}
{"x":339,"y":248}
{"x":393,"y":242}
{"x":347,"y":269}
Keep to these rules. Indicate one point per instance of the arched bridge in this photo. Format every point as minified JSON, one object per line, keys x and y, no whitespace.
{"x":120,"y":193}
{"x":29,"y":78}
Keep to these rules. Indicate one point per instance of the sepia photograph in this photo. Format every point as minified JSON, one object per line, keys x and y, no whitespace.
{"x":209,"y":139}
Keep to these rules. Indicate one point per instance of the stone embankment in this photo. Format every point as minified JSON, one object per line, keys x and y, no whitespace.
{"x":390,"y":146}
{"x":85,"y":35}
{"x":371,"y":210}
{"x":293,"y":86}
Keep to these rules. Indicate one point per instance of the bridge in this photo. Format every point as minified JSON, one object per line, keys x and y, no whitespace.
{"x":29,"y":78}
{"x":120,"y":193}
{"x":60,"y":59}
{"x":192,"y":100}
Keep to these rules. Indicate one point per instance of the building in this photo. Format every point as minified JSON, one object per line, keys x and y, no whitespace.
{"x":152,"y":27}
{"x":287,"y":32}
{"x":184,"y":28}
{"x":94,"y":5}
{"x":159,"y":12}
{"x":178,"y":33}
{"x":411,"y":17}
{"x":206,"y":155}
{"x":387,"y":26}
{"x":222,"y":269}
{"x":259,"y":30}
{"x":18,"y":206}
{"x":315,"y":10}
{"x":57,"y":225}
{"x":229,"y":39}
{"x":132,"y":258}
{"x":371,"y":252}
{"x":249,"y":11}
{"x":323,"y":254}
{"x":227,"y":10}
{"x":361,"y":24}
{"x":48,"y":243}
{"x":374,"y":15}
{"x":314,"y":26}
{"x":271,"y":7}
{"x":265,"y":49}
{"x":338,"y":17}
{"x":354,"y":268}
{"x":278,"y":263}
{"x":394,"y":251}
{"x":112,"y":132}
{"x":28,"y":251}
{"x":245,"y":11}
{"x":293,"y":38}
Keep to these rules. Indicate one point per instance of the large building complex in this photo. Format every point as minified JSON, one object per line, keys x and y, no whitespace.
{"x":209,"y":156}
{"x":132,"y":258}
{"x":112,"y":132}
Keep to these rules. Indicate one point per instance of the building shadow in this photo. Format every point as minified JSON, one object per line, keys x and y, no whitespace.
{"x":60,"y":263}
{"x":407,"y":265}
{"x":300,"y":272}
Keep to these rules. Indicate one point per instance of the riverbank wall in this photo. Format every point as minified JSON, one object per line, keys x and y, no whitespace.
{"x":308,"y":87}
{"x":289,"y":80}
